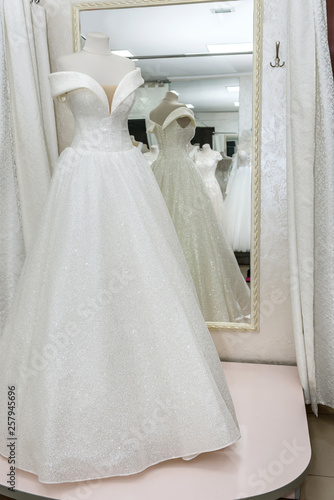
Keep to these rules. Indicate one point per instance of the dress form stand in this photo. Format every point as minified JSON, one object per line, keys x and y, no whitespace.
{"x":168,"y":104}
{"x":206,"y":161}
{"x":97,"y":61}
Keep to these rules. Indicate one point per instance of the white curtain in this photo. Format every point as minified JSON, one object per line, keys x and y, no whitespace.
{"x":310,"y":142}
{"x":32,"y":107}
{"x":28,"y":140}
{"x":11,"y":235}
{"x":324,"y":215}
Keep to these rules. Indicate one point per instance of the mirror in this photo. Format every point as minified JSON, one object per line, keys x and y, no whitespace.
{"x":209,"y":54}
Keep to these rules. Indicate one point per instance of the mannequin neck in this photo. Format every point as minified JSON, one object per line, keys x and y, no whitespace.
{"x":97,"y":43}
{"x":206,"y":148}
{"x":171,"y":96}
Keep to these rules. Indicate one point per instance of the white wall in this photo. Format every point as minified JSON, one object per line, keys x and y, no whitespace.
{"x":245,"y":103}
{"x":274,"y":342}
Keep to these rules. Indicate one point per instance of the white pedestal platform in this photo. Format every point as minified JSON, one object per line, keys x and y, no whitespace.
{"x":268,"y":462}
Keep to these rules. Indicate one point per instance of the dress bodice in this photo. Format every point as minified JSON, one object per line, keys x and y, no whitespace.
{"x":171,"y":136}
{"x":244,"y":158}
{"x":97,"y":128}
{"x":207,"y":164}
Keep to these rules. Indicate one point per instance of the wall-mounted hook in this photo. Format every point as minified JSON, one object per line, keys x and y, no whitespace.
{"x":277,"y":59}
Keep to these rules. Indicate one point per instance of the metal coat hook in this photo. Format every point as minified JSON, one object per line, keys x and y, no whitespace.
{"x":277,"y":58}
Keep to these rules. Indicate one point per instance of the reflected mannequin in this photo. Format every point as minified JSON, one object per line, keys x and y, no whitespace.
{"x":221,"y":288}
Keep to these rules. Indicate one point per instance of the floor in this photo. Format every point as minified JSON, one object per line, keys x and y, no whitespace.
{"x":319,"y":484}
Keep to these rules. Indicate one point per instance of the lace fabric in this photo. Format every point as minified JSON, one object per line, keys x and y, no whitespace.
{"x":207,"y":164}
{"x":114,"y":367}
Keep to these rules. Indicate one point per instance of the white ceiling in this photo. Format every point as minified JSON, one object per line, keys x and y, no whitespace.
{"x":182,"y":29}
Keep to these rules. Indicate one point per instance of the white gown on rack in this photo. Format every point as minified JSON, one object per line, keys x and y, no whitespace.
{"x":113,"y":365}
{"x":221,"y":288}
{"x":207,"y":164}
{"x":238,"y":203}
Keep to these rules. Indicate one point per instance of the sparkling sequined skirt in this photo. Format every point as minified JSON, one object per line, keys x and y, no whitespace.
{"x":112,"y":364}
{"x":221,"y":288}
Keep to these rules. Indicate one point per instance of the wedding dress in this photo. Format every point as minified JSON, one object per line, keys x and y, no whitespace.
{"x":207,"y":164}
{"x":238,"y":202}
{"x":221,"y":288}
{"x":111,"y":360}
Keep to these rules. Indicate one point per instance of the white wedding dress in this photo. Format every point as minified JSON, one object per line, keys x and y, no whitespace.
{"x":207,"y":162}
{"x":113,"y":365}
{"x":238,"y":202}
{"x":221,"y":288}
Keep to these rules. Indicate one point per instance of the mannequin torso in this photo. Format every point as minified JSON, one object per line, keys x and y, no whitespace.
{"x":96,"y":60}
{"x":206,"y":151}
{"x":167,"y":105}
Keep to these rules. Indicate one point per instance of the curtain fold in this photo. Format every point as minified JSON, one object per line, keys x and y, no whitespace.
{"x":12,"y":252}
{"x":324,"y":213}
{"x":32,"y":108}
{"x":309,"y":193}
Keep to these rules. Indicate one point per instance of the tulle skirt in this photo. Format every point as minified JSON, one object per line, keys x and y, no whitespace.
{"x":113,"y":367}
{"x":238,"y":205}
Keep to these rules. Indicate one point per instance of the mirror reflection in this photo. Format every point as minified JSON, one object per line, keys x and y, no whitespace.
{"x":197,"y":60}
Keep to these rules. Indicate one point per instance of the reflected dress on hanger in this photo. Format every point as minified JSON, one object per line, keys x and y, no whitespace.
{"x":113,"y":366}
{"x":221,"y":288}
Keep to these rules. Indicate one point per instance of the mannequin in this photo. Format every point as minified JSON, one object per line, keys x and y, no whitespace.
{"x":168,"y":104}
{"x":140,"y":145}
{"x":207,"y":151}
{"x":134,"y":142}
{"x":97,"y":61}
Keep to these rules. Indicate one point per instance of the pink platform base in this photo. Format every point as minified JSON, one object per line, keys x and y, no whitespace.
{"x":268,"y":462}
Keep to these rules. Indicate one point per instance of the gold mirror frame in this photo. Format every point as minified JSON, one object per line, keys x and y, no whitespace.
{"x":256,"y":123}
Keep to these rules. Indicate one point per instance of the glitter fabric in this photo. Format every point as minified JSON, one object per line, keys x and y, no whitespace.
{"x":221,"y":288}
{"x":114,"y":367}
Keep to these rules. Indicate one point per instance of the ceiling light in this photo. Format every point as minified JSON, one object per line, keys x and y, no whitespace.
{"x":230,"y":48}
{"x":222,"y":10}
{"x":190,"y":106}
{"x":236,"y":104}
{"x":236,"y":88}
{"x":123,"y":53}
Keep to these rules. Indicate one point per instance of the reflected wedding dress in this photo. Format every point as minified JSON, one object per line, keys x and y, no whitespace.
{"x":221,"y":288}
{"x":238,"y":201}
{"x":113,"y":365}
{"x":206,"y":161}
